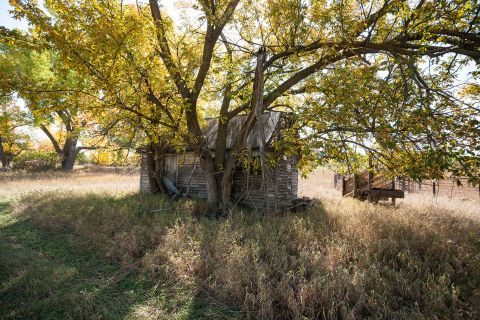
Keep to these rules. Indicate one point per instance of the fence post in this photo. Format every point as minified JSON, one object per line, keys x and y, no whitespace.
{"x":370,"y":180}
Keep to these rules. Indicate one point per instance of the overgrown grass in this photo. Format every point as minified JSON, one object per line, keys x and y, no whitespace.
{"x":341,"y":260}
{"x":48,"y":272}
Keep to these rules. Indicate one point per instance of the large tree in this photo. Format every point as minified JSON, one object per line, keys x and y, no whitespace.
{"x":232,"y":57}
{"x":12,"y":117}
{"x":133,"y":96}
{"x":57,"y":97}
{"x":380,"y":112}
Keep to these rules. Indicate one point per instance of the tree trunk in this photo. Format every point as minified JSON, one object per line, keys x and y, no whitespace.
{"x":221,"y":143}
{"x":227,"y":181}
{"x":208,"y":166}
{"x":156,"y":169}
{"x":159,"y":172}
{"x":219,"y":173}
{"x":223,"y":166}
{"x":69,"y":153}
{"x":52,"y":139}
{"x":257,"y":107}
{"x":152,"y":182}
{"x":3,"y":156}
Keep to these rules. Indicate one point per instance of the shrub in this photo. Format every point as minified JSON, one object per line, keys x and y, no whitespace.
{"x":113,"y":158}
{"x":36,"y":161}
{"x":82,"y":158}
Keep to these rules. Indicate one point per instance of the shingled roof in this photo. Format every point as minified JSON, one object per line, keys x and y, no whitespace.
{"x":271,"y":122}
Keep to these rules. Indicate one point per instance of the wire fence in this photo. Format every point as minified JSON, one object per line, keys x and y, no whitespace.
{"x":450,"y":187}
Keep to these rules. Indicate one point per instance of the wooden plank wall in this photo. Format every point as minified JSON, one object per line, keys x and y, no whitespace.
{"x":248,"y":190}
{"x":275,"y":193}
{"x":144,"y":185}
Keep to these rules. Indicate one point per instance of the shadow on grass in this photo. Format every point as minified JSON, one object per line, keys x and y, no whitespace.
{"x":217,"y":263}
{"x":411,"y":270}
{"x":375,"y":263}
{"x":45,"y":275}
{"x":206,"y":304}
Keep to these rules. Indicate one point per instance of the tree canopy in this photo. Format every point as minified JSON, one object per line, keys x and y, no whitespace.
{"x":395,"y":80}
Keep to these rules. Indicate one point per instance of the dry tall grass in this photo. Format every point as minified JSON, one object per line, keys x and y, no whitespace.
{"x":83,"y":180}
{"x":343,"y":259}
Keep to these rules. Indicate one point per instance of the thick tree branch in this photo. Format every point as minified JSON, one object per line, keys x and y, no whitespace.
{"x":54,"y":141}
{"x":165,"y":52}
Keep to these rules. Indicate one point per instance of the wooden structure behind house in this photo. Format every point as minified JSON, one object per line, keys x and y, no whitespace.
{"x":450,"y":187}
{"x":368,"y":186}
{"x":249,"y":189}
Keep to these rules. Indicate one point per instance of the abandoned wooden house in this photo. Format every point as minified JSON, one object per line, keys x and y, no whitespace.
{"x":275,"y":191}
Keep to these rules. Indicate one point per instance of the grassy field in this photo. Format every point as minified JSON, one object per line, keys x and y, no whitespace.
{"x":86,"y":246}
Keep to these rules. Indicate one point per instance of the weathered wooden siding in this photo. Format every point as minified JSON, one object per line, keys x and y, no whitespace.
{"x":286,"y":181}
{"x":249,"y":190}
{"x":144,"y":185}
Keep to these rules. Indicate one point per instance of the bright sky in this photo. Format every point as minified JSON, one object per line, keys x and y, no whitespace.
{"x":6,"y":20}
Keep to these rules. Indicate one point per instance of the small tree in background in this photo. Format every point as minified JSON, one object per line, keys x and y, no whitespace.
{"x":12,"y":140}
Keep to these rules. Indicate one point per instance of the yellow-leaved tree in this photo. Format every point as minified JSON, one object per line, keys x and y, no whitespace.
{"x":337,"y":65}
